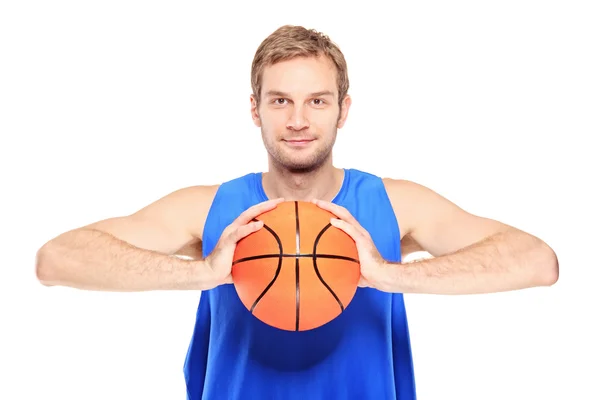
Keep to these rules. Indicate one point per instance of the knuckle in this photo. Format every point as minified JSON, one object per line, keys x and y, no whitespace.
{"x":234,"y":233}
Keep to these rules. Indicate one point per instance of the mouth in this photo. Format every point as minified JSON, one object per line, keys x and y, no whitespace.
{"x":298,"y":142}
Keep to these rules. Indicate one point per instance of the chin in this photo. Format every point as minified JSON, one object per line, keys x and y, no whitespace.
{"x":300,"y":160}
{"x":301,"y":165}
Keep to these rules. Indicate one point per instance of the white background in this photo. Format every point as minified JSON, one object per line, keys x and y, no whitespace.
{"x":107,"y":106}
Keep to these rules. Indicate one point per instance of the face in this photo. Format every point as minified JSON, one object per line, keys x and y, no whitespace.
{"x":299,"y":112}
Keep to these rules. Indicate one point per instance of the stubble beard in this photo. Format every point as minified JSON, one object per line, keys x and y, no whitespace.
{"x":284,"y":158}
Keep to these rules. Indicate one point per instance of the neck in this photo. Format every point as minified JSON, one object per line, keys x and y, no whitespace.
{"x":322,"y":183}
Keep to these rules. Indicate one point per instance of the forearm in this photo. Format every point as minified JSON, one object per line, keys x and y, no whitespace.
{"x":507,"y":261}
{"x":93,"y":260}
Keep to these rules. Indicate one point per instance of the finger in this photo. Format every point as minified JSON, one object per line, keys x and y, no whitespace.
{"x":338,"y":210}
{"x":244,"y":230}
{"x":342,"y":213}
{"x":257,"y":209}
{"x":350,"y":229}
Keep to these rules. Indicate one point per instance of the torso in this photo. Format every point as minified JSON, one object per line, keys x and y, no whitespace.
{"x":364,"y":353}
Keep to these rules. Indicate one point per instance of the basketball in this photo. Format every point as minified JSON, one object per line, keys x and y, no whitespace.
{"x":297,"y":272}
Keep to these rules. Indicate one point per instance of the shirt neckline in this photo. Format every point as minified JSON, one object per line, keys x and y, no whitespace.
{"x":337,"y":198}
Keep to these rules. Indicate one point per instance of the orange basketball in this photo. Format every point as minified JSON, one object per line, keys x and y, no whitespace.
{"x":297,"y":272}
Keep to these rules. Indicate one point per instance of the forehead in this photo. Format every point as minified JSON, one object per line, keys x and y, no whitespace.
{"x":300,"y":75}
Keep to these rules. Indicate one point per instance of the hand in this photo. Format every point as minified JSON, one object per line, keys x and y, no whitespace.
{"x":219,"y":262}
{"x":372,"y":264}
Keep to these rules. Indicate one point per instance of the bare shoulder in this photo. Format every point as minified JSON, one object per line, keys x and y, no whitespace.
{"x":408,"y":197}
{"x":189,"y":206}
{"x":171,"y":224}
{"x":403,"y":194}
{"x":182,"y":215}
{"x":437,"y":224}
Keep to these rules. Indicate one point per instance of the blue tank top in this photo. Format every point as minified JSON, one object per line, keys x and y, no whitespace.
{"x":363,"y":354}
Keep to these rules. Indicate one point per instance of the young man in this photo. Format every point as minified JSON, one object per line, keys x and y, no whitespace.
{"x":299,"y":100}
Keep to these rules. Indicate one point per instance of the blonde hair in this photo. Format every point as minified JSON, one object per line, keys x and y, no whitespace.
{"x":291,"y":41}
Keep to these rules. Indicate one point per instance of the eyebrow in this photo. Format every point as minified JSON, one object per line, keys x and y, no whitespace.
{"x":315,"y":94}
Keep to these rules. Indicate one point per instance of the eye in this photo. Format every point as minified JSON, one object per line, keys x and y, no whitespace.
{"x":280,"y":101}
{"x":318,"y":102}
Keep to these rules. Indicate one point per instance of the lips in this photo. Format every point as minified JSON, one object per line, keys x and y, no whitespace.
{"x":299,"y":140}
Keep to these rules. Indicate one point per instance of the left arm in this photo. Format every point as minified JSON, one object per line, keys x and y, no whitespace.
{"x":472,"y":254}
{"x":507,"y":260}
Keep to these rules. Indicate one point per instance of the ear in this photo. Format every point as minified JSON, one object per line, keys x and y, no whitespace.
{"x":254,"y":110}
{"x":346,"y":103}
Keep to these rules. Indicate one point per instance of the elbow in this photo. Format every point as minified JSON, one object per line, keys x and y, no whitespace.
{"x":548,"y":270}
{"x":44,"y":270}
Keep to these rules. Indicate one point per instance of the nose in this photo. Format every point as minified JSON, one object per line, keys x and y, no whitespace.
{"x":297,"y":120}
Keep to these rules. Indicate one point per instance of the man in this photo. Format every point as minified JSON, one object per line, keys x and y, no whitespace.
{"x":300,"y":99}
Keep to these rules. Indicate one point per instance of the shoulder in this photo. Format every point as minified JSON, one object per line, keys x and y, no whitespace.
{"x":412,"y":201}
{"x":403,"y":190}
{"x":188,"y":205}
{"x":421,"y":209}
{"x":197,"y":201}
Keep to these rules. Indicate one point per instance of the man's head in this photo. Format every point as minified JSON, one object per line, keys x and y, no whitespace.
{"x":300,"y":85}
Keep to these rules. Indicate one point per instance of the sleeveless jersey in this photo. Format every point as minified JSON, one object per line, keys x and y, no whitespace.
{"x":362,"y":354}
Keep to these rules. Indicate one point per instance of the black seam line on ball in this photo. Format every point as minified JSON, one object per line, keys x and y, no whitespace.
{"x":297,"y":267}
{"x":304,"y":255}
{"x":278,"y":266}
{"x":281,"y":255}
{"x":317,"y":268}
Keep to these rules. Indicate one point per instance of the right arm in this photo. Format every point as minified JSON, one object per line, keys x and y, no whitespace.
{"x":136,"y":252}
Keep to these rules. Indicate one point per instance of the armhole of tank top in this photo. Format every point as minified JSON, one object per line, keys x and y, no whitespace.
{"x":396,"y":224}
{"x":210,"y":215}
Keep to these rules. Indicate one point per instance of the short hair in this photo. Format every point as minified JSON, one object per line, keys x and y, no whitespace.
{"x":291,"y":41}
